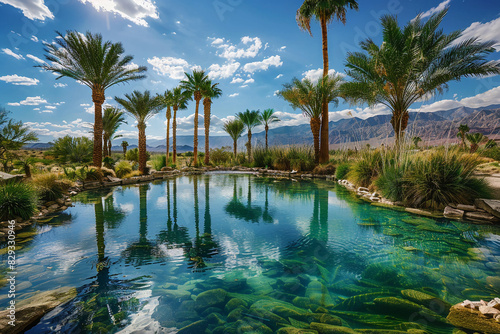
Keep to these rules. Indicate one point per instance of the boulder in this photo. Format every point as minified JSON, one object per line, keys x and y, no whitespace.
{"x":215,"y":297}
{"x":234,"y":303}
{"x":473,"y":320}
{"x":492,"y":206}
{"x":31,"y":310}
{"x":318,"y":293}
{"x":452,"y":213}
{"x":465,"y":207}
{"x":194,"y":328}
{"x":331,"y":329}
{"x":482,"y":217}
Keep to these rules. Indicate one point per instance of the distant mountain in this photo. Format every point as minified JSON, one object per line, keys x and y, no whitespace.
{"x":432,"y":127}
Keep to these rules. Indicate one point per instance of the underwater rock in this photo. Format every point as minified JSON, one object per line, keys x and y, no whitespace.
{"x":404,"y":307}
{"x":31,"y":310}
{"x":234,"y":303}
{"x":216,"y":318}
{"x":249,"y":325}
{"x":304,"y":303}
{"x":194,"y":328}
{"x":293,"y":330}
{"x":382,"y":331}
{"x":318,"y":293}
{"x":425,"y":299}
{"x":356,"y":303}
{"x":186,"y":311}
{"x":215,"y":297}
{"x":206,"y":312}
{"x":236,"y":314}
{"x":261,"y":284}
{"x":472,"y":320}
{"x":272,"y":320}
{"x":331,"y":329}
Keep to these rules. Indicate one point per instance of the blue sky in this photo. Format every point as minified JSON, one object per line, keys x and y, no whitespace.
{"x":251,"y":47}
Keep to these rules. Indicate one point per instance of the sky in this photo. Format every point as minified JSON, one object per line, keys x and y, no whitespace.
{"x":250,"y":47}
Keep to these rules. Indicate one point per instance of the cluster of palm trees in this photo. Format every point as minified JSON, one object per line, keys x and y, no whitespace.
{"x":475,"y":139}
{"x":249,"y":119}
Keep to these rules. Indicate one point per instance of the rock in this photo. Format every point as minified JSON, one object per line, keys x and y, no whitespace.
{"x":472,"y":320}
{"x":31,"y":310}
{"x":216,"y":319}
{"x":261,"y":284}
{"x":234,"y":303}
{"x":215,"y":297}
{"x":489,"y":311}
{"x":481,"y":217}
{"x":452,"y":213}
{"x":318,"y":293}
{"x":194,"y":328}
{"x":60,"y":201}
{"x":492,"y":206}
{"x":434,"y":303}
{"x":330,"y":329}
{"x":236,"y":314}
{"x":293,"y":330}
{"x":465,"y":207}
{"x":424,"y":213}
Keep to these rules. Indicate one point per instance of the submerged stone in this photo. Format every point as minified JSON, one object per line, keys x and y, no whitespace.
{"x":318,"y":293}
{"x":422,"y":298}
{"x":194,"y":328}
{"x":234,"y":303}
{"x":331,"y":329}
{"x":215,"y":297}
{"x":293,"y":330}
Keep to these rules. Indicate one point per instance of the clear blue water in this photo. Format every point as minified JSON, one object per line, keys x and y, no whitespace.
{"x":285,"y":252}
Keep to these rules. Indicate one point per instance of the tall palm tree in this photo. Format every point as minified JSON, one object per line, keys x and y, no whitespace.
{"x":325,"y":11}
{"x":194,"y":84}
{"x":250,"y":119}
{"x":141,"y":106}
{"x":124,"y":146}
{"x":111,"y":121}
{"x":462,"y":132}
{"x":414,"y":62}
{"x":309,"y":97}
{"x":210,"y":91}
{"x":475,"y":139}
{"x":97,"y":64}
{"x":267,"y":117}
{"x":180,"y":99}
{"x":235,"y":129}
{"x":167,"y":99}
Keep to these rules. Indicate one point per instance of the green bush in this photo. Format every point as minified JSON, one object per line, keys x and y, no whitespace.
{"x":220,"y":156}
{"x":188,"y":154}
{"x":262,"y":157}
{"x":342,"y":171}
{"x":438,"y":179}
{"x":48,"y":186}
{"x":17,"y":199}
{"x":159,"y":161}
{"x":492,"y":153}
{"x":108,"y":162}
{"x":392,"y":183}
{"x":300,"y":158}
{"x":133,"y":155}
{"x":69,"y":149}
{"x":123,"y":168}
{"x":367,"y":167}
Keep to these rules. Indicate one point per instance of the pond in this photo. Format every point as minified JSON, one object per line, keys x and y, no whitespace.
{"x":258,"y":253}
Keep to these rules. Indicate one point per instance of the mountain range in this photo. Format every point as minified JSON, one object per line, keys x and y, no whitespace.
{"x":433,"y":127}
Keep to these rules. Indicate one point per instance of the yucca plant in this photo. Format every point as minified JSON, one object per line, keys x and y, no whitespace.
{"x":17,"y":199}
{"x":123,"y":168}
{"x":475,"y":139}
{"x":366,"y":168}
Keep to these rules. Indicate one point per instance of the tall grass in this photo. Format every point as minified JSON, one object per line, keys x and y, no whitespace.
{"x":159,"y":161}
{"x":17,"y":199}
{"x":123,"y":168}
{"x":48,"y":186}
{"x":300,"y":158}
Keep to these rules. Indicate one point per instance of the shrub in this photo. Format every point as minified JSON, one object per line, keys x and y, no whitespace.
{"x":188,"y":154}
{"x":241,"y":158}
{"x":262,"y":157}
{"x":159,"y":161}
{"x":133,"y":155}
{"x":123,"y":168}
{"x":220,"y":156}
{"x":108,"y":162}
{"x":69,"y":149}
{"x":492,"y":153}
{"x":132,"y":174}
{"x":324,"y":169}
{"x":48,"y":186}
{"x":438,"y":179}
{"x":364,"y":171}
{"x":392,"y":183}
{"x":107,"y":172}
{"x":342,"y":171}
{"x":17,"y":199}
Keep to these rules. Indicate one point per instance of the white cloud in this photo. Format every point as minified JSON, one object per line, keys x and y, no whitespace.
{"x":170,"y":66}
{"x":250,"y":49}
{"x":32,"y":9}
{"x":225,"y":71}
{"x":46,"y":111}
{"x":249,"y":81}
{"x":84,"y":105}
{"x":276,"y":92}
{"x":60,"y":85}
{"x":263,"y":65}
{"x":29,"y":101}
{"x":489,"y":31}
{"x":14,"y":104}
{"x":178,"y":22}
{"x":12,"y":53}
{"x":131,"y":66}
{"x":244,"y":86}
{"x":283,"y":48}
{"x":51,"y":107}
{"x":237,"y":80}
{"x":436,"y":9}
{"x":279,"y":76}
{"x":315,"y":75}
{"x":38,"y":60}
{"x":136,"y":11}
{"x":234,"y":95}
{"x":19,"y":81}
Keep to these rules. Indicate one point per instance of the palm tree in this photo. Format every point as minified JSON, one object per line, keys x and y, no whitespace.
{"x":194,"y":84}
{"x":414,"y":62}
{"x":250,"y":119}
{"x":462,"y":131}
{"x":141,"y":106}
{"x":325,"y":11}
{"x":309,"y":97}
{"x":111,"y":121}
{"x":167,"y":99}
{"x":180,"y":99}
{"x":97,"y":64}
{"x":210,"y":91}
{"x":416,"y":140}
{"x":475,"y":139}
{"x":124,"y":146}
{"x":267,"y":117}
{"x":235,"y":129}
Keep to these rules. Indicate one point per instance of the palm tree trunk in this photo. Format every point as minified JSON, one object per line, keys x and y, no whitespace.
{"x":399,"y":123}
{"x":315,"y":128}
{"x":249,"y":145}
{"x":267,"y":129}
{"x":109,"y":147}
{"x":124,"y":151}
{"x":195,"y":140}
{"x":235,"y":146}
{"x":324,"y":149}
{"x":207,"y":103}
{"x":105,"y":146}
{"x":168,"y":140}
{"x":142,"y":147}
{"x":174,"y":136}
{"x":463,"y":140}
{"x":98,"y":99}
